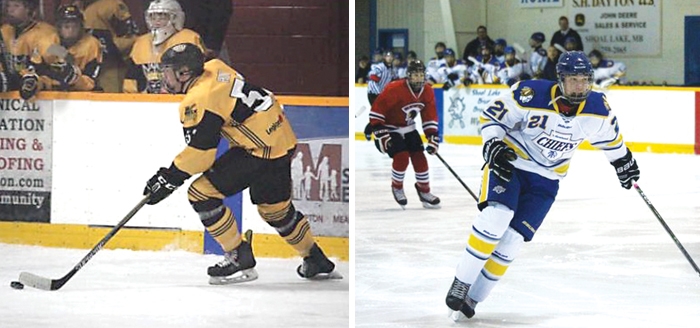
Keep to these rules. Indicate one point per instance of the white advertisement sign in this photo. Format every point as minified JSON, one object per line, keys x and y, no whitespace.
{"x":618,"y":27}
{"x":462,"y":108}
{"x":541,"y":3}
{"x":25,"y":160}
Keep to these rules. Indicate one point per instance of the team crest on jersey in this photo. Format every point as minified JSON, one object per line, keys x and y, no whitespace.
{"x":526,"y":94}
{"x":412,"y":110}
{"x":223,"y":77}
{"x":553,"y":146}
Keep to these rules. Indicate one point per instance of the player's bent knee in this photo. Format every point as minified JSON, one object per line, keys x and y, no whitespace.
{"x":493,"y":220}
{"x":509,"y":246}
{"x":282,"y":216}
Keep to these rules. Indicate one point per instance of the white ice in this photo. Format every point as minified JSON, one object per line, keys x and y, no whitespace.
{"x":600,"y":259}
{"x":123,"y":288}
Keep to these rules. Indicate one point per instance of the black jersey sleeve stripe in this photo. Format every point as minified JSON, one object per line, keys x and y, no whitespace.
{"x":204,"y":135}
{"x":241,"y":112}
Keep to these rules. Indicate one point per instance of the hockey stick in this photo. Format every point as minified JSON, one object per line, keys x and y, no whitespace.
{"x":663,"y":223}
{"x":456,"y":176}
{"x":40,"y":282}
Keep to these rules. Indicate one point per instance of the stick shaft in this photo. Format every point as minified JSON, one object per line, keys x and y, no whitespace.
{"x":456,"y":176}
{"x":667,"y":228}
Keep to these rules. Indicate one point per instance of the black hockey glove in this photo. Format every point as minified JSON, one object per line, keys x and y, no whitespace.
{"x":28,"y":85}
{"x":447,"y":85}
{"x":627,"y":170}
{"x":433,"y":144}
{"x":452,"y":76}
{"x":64,"y":73}
{"x":163,"y":183}
{"x":382,"y":138}
{"x":498,"y":156}
{"x":368,"y":132}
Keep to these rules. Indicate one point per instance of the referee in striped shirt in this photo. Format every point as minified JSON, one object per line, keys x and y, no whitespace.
{"x":379,"y":76}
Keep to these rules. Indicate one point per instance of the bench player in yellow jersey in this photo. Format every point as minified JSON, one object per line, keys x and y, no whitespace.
{"x":219,"y":102}
{"x":165,"y":20}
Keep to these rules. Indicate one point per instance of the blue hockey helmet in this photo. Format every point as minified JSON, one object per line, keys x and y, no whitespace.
{"x":449,"y":52}
{"x":574,"y":63}
{"x":509,"y":50}
{"x":501,"y":42}
{"x":538,"y":36}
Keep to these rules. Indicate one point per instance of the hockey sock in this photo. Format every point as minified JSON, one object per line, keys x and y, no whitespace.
{"x":496,"y":266}
{"x":420,"y":163}
{"x":217,"y":218}
{"x":398,"y":169}
{"x":290,"y":225}
{"x":487,"y":230}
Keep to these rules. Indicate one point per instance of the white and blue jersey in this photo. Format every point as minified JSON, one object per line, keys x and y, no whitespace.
{"x":529,"y":121}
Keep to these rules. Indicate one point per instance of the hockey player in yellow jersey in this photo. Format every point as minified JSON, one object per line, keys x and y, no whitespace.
{"x":165,"y":20}
{"x":219,"y":102}
{"x":75,"y":63}
{"x":110,"y":21}
{"x":25,"y":41}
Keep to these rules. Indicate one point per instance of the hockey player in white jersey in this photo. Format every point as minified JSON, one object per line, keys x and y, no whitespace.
{"x":485,"y":67}
{"x":530,"y":136}
{"x":436,"y":62}
{"x":452,"y":72}
{"x":605,"y":71}
{"x":512,"y":68}
{"x":538,"y":58}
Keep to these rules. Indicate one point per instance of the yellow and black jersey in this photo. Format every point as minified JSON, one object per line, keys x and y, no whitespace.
{"x":110,"y":22}
{"x":86,"y":54}
{"x":221,"y":103}
{"x":28,"y":46}
{"x":143,"y":67}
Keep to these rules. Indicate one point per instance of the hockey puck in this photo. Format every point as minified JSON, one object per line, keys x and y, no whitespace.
{"x":16,"y":285}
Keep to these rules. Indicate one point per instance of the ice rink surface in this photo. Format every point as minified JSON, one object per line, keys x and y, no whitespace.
{"x":130,"y":289}
{"x":600,"y":259}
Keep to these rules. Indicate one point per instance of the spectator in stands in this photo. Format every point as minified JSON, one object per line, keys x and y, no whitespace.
{"x":110,"y":21}
{"x":165,"y":20}
{"x":26,"y":44}
{"x":74,"y":65}
{"x":564,"y":32}
{"x":362,"y":70}
{"x":473,"y":47}
{"x":210,"y":19}
{"x":411,"y":57}
{"x":550,"y":68}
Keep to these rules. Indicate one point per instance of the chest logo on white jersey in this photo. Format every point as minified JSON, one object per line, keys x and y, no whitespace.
{"x":411,"y":111}
{"x":555,"y":144}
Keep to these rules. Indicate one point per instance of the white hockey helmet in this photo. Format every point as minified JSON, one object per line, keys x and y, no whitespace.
{"x":156,"y":12}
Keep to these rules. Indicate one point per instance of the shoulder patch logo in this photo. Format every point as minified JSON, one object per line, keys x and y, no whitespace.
{"x":526,"y":94}
{"x":223,"y":77}
{"x":190,"y":113}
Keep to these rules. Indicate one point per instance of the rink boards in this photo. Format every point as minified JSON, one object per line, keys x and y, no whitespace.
{"x":73,"y":164}
{"x":654,"y":119}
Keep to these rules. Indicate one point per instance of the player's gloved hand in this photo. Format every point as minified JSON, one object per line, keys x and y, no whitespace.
{"x":382,"y":139}
{"x":28,"y":85}
{"x":433,"y":144}
{"x":368,"y":132}
{"x":447,"y":85}
{"x":498,"y":156}
{"x":64,"y":73}
{"x":163,"y":183}
{"x":626,"y":169}
{"x":452,"y":76}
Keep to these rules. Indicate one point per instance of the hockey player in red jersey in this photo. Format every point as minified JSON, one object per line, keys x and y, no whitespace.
{"x":392,"y":120}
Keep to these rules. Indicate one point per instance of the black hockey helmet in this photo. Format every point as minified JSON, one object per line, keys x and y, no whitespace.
{"x":66,"y":13}
{"x":182,"y":58}
{"x":415,"y":72}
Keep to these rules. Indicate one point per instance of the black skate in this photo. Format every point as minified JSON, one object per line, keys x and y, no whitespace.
{"x":237,"y":266}
{"x":458,"y":301}
{"x":317,"y":266}
{"x":400,"y":197}
{"x":429,"y":200}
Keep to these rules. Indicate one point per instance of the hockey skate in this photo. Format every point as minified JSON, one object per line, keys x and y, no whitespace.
{"x":237,"y":266}
{"x":400,"y":197}
{"x":460,"y":304}
{"x":429,"y":200}
{"x":317,"y":266}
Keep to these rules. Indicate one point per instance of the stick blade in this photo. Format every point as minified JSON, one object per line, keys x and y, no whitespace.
{"x":32,"y":280}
